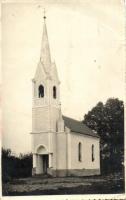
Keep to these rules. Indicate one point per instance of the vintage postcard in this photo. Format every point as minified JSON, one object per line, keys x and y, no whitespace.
{"x":63,"y":77}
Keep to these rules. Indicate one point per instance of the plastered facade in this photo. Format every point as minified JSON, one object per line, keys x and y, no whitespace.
{"x":54,"y":145}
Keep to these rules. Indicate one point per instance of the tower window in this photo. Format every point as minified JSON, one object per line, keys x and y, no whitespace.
{"x":80,"y":152}
{"x":41,"y":91}
{"x":54,"y":92}
{"x":92,"y":149}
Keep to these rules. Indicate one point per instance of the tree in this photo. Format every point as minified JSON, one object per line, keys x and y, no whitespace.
{"x":108,"y":120}
{"x":6,"y":153}
{"x":15,"y":167}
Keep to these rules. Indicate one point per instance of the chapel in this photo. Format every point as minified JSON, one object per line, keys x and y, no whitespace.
{"x":61,"y":146}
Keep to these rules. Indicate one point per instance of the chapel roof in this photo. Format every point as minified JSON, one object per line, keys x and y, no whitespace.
{"x":79,"y":127}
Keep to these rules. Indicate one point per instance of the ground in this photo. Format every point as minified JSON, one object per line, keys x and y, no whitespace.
{"x":111,"y":184}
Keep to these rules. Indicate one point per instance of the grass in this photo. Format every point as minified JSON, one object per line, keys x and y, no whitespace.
{"x":109,"y":184}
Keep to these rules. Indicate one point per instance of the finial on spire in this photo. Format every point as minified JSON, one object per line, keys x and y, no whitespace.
{"x":45,"y":56}
{"x":44,"y":14}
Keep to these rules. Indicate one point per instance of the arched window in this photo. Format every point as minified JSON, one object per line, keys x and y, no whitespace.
{"x":54,"y":92}
{"x":41,"y":91}
{"x":92,"y":150}
{"x":80,"y":152}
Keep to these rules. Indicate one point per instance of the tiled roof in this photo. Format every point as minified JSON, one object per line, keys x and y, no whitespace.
{"x":79,"y":127}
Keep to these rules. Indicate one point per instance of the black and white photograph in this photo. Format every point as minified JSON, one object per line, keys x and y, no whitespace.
{"x":63,"y":87}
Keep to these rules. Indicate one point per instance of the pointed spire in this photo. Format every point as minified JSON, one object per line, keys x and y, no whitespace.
{"x":44,"y":17}
{"x":45,"y":50}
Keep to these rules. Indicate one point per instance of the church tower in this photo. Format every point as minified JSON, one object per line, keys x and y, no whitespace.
{"x":46,"y":100}
{"x":61,"y":146}
{"x":45,"y":110}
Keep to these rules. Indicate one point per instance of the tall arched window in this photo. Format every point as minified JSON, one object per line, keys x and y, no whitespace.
{"x":54,"y":92}
{"x":92,"y":150}
{"x":80,"y":152}
{"x":41,"y":91}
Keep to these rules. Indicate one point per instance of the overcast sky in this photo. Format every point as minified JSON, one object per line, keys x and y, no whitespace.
{"x":87,"y":43}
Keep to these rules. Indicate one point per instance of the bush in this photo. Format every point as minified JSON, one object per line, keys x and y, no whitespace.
{"x":15,"y":167}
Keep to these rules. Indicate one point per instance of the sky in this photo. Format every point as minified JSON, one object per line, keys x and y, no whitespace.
{"x":86,"y":40}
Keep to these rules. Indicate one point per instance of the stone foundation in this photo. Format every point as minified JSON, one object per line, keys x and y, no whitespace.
{"x":33,"y":171}
{"x":70,"y":172}
{"x":51,"y":172}
{"x":73,"y":172}
{"x":83,"y":172}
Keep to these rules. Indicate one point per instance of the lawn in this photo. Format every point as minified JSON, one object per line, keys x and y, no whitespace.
{"x":110,"y":184}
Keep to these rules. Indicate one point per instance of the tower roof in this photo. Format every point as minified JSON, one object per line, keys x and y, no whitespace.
{"x":45,"y":56}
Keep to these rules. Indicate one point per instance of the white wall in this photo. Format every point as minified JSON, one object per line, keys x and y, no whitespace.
{"x":40,"y":119}
{"x":86,"y":142}
{"x":62,"y":150}
{"x":67,"y":151}
{"x":40,"y":139}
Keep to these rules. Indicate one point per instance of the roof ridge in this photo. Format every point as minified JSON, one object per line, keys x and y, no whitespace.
{"x":79,"y":127}
{"x":71,"y":118}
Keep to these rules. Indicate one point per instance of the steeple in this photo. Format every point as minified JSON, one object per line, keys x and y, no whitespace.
{"x":45,"y":50}
{"x":46,"y":91}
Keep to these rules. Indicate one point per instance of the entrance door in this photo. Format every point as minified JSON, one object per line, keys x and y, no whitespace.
{"x":45,"y":163}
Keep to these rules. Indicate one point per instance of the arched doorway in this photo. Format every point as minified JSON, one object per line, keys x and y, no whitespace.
{"x":42,"y":160}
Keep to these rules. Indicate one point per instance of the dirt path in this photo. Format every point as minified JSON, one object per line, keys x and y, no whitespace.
{"x":67,"y":185}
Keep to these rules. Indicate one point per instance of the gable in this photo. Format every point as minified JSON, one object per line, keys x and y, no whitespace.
{"x":54,"y":73}
{"x":40,"y":73}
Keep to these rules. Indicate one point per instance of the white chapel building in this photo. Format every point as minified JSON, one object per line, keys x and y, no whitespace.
{"x":61,"y":146}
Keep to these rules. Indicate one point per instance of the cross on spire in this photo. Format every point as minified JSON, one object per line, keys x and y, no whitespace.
{"x":45,"y":50}
{"x":44,"y":14}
